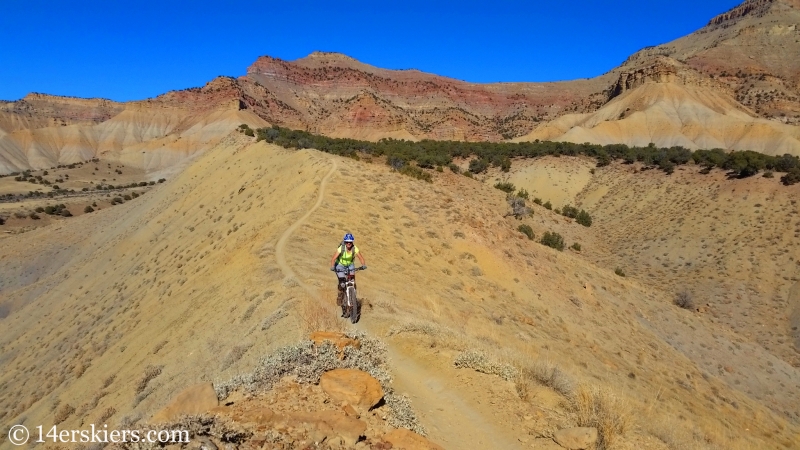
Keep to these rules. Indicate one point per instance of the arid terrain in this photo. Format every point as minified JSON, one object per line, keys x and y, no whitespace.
{"x":213,"y":270}
{"x":161,"y":267}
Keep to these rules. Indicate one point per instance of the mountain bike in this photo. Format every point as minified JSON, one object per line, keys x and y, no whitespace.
{"x":351,"y":306}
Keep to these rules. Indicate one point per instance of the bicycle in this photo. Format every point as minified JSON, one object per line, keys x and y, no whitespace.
{"x":350,"y":296}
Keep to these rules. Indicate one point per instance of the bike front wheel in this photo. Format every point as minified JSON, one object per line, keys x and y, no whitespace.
{"x":354,"y":307}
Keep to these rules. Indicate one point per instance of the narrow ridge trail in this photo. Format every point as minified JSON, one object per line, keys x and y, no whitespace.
{"x":448,"y":419}
{"x":280,"y":247}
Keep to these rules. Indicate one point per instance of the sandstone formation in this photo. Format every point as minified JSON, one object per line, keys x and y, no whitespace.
{"x":732,"y":84}
{"x":353,"y":386}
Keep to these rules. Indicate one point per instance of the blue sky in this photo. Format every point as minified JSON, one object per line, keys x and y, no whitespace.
{"x":135,"y":50}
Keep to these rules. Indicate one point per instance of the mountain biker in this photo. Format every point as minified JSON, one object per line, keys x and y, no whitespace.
{"x":342,"y":263}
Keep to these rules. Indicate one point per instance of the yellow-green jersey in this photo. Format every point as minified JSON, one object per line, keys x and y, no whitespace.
{"x":346,"y":258}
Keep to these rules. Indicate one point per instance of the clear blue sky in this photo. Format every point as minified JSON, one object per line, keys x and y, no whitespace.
{"x":132,"y":50}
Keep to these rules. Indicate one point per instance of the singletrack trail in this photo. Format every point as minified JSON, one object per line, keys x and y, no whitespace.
{"x":280,"y":248}
{"x":447,"y":417}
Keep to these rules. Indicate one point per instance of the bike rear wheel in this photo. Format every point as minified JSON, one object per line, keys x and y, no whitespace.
{"x":354,"y":309}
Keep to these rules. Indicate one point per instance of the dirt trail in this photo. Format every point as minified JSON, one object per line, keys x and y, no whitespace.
{"x":448,"y":419}
{"x":280,"y":247}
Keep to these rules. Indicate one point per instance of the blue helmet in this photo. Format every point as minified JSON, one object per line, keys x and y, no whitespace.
{"x":348,"y":238}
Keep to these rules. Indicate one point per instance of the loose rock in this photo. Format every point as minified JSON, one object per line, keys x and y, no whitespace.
{"x":579,"y":438}
{"x":353,"y":386}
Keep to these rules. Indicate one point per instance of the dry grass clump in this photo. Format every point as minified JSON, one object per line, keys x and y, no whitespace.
{"x":440,"y":336}
{"x":307,"y":362}
{"x":110,"y":411}
{"x":317,"y":316}
{"x":480,"y":362}
{"x":107,"y":382}
{"x":150,"y":372}
{"x":547,"y":374}
{"x":63,"y":413}
{"x":235,"y":354}
{"x":684,"y":300}
{"x":590,"y":406}
{"x":272,"y":319}
{"x":601,"y":409}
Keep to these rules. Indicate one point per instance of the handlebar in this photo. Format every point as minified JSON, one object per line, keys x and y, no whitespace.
{"x":347,"y":269}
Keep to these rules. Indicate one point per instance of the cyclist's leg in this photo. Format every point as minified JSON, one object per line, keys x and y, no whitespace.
{"x":341,"y":277}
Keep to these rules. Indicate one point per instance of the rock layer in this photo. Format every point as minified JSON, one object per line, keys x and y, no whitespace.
{"x":733,"y":84}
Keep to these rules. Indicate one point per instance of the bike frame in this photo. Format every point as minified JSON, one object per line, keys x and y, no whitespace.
{"x":351,"y":299}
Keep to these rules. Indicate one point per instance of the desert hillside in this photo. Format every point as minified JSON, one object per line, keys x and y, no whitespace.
{"x":492,"y":337}
{"x":733,"y":84}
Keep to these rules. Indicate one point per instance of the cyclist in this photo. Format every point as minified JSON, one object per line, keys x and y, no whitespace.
{"x":342,"y":263}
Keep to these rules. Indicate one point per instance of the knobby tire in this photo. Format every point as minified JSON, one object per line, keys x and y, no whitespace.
{"x":351,"y":294}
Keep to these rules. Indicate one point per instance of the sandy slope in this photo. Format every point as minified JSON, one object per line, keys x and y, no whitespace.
{"x":188,"y":278}
{"x":669,"y":114}
{"x":150,"y":139}
{"x":460,"y":426}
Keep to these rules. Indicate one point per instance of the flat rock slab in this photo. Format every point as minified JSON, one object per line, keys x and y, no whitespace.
{"x":402,"y":439}
{"x":197,"y":399}
{"x":580,"y":438}
{"x":353,"y":386}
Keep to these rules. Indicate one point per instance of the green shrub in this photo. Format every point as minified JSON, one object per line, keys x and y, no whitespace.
{"x":116,"y":200}
{"x":431,"y":153}
{"x":454,"y":168}
{"x":439,"y":169}
{"x":683,"y":299}
{"x":518,"y":208}
{"x":477,"y":165}
{"x":522,"y":194}
{"x":65,"y":213}
{"x":468,"y":174}
{"x":39,"y":209}
{"x":127,"y":197}
{"x":576,"y":247}
{"x":619,"y":272}
{"x":34,"y":216}
{"x":527,"y":231}
{"x":538,"y":201}
{"x":584,"y":218}
{"x":160,"y":180}
{"x":548,"y":205}
{"x":88,"y":209}
{"x":791,"y":177}
{"x":768,"y":174}
{"x":416,"y":172}
{"x":505,"y":187}
{"x":569,"y":211}
{"x":553,"y":240}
